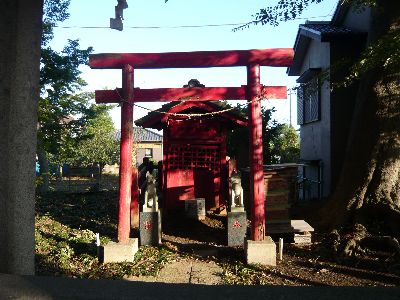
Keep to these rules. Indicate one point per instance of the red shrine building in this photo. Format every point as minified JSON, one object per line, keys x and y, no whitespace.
{"x":195,"y":147}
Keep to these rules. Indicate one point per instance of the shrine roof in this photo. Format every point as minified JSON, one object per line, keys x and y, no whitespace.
{"x":157,"y":118}
{"x":143,"y":135}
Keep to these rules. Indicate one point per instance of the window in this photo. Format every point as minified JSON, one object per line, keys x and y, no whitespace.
{"x":308,"y":102}
{"x":148,"y":152}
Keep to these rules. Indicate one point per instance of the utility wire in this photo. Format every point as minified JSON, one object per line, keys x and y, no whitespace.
{"x":177,"y":26}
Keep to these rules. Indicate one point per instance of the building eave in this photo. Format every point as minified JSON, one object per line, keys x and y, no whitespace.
{"x":303,"y":40}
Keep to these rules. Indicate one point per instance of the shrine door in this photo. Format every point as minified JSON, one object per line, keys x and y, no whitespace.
{"x":193,"y":171}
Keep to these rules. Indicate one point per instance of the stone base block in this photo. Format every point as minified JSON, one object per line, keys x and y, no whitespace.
{"x":195,"y":208}
{"x":119,"y":252}
{"x":150,"y":228}
{"x":237,"y":209}
{"x":261,"y":252}
{"x":236,"y":227}
{"x":304,"y":238}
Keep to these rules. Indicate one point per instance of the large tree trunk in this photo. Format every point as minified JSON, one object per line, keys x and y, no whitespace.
{"x":368,"y":191}
{"x":20,"y":32}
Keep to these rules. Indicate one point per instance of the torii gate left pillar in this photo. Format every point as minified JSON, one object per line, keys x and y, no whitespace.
{"x":126,"y":147}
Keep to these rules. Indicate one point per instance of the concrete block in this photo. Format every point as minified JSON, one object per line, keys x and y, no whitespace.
{"x":304,"y":238}
{"x":236,"y":227}
{"x":195,"y":208}
{"x":119,"y":252}
{"x":260,"y":252}
{"x":237,"y":209}
{"x":150,"y":228}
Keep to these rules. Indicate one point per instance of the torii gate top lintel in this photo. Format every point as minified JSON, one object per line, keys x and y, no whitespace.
{"x":276,"y":57}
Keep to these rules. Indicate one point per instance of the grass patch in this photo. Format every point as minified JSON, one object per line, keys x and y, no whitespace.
{"x":237,"y":273}
{"x":65,"y":232}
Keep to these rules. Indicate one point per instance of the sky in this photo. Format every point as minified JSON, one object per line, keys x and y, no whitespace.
{"x":170,"y":37}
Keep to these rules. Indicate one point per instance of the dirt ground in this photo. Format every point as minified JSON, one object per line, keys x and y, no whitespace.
{"x":187,"y":270}
{"x":204,"y":259}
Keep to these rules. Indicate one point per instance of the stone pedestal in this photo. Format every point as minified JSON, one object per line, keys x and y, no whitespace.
{"x":260,"y":252}
{"x":236,"y":227}
{"x":195,"y":208}
{"x":118,"y":252}
{"x":150,"y":228}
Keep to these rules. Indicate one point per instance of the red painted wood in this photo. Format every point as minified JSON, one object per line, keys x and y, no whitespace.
{"x":193,"y":172}
{"x":279,"y":57}
{"x":223,"y":195}
{"x":192,"y":94}
{"x":189,"y":104}
{"x":134,"y":199}
{"x":189,"y":131}
{"x":165,"y":169}
{"x":125,"y":173}
{"x":256,"y":155}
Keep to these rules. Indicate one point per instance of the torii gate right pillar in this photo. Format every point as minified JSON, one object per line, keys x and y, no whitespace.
{"x":256,"y":154}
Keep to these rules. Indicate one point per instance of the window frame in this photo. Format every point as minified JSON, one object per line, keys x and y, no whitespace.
{"x":151,"y":152}
{"x":309,"y":100}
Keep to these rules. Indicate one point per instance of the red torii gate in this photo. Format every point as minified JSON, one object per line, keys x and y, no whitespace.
{"x":252,"y":59}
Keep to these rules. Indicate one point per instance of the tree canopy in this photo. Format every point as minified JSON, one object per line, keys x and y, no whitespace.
{"x":280,"y":141}
{"x":100,"y":145}
{"x":64,"y":110}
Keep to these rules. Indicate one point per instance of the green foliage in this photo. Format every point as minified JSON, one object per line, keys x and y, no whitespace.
{"x":59,"y":131}
{"x":60,"y":80}
{"x":101,"y":145}
{"x":54,"y":11}
{"x":384,"y":53}
{"x":286,"y":10}
{"x":59,"y":72}
{"x":285,"y":144}
{"x":280,"y":141}
{"x":63,"y":111}
{"x":236,"y":273}
{"x":238,"y":139}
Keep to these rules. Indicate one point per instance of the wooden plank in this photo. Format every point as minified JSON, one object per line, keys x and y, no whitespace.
{"x":292,"y":226}
{"x":301,"y":226}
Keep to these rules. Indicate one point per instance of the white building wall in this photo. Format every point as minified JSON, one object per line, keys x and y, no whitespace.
{"x":315,"y":136}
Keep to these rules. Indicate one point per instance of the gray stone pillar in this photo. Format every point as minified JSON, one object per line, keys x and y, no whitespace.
{"x":20,"y":33}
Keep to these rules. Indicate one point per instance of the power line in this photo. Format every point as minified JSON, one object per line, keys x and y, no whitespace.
{"x":179,"y":26}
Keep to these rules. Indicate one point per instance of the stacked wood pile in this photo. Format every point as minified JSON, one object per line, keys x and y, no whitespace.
{"x":279,"y":185}
{"x":280,"y":192}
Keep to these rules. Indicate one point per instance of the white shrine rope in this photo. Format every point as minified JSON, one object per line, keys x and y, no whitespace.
{"x":187,"y":115}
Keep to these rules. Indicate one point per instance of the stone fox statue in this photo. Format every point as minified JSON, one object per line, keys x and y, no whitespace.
{"x":150,"y":195}
{"x":236,"y":190}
